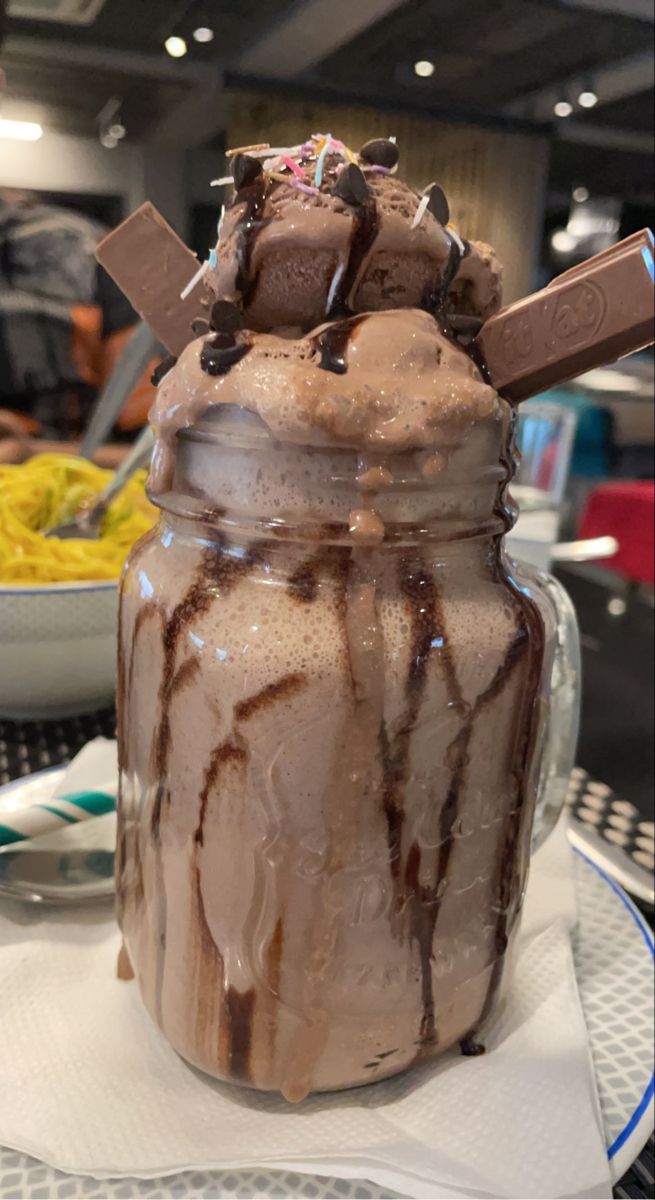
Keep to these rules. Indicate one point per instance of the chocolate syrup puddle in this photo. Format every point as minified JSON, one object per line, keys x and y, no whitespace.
{"x":363,"y":233}
{"x":332,"y":343}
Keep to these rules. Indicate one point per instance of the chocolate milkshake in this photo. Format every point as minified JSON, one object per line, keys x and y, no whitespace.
{"x":330,"y":683}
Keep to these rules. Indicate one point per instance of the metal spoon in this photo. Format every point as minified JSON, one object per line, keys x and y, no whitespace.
{"x":139,"y":351}
{"x":87,"y":522}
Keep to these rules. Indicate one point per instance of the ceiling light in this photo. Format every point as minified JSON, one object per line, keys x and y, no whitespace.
{"x":20,"y":131}
{"x":587,"y":99}
{"x":580,"y":195}
{"x":562,"y":241}
{"x":424,"y":68}
{"x":175,"y":46}
{"x":203,"y":34}
{"x":563,"y":108}
{"x":117,"y":131}
{"x":108,"y":140}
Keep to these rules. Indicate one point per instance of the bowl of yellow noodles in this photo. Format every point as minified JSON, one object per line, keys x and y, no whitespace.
{"x":59,"y":598}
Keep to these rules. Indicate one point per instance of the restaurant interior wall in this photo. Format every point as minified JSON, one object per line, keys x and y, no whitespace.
{"x":65,"y":163}
{"x":495,"y":180}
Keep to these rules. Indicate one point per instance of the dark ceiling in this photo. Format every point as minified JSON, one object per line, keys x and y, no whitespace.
{"x":145,"y":24}
{"x":486,"y":51}
{"x":488,"y":55}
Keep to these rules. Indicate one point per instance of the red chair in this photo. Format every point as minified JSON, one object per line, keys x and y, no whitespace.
{"x":624,"y":510}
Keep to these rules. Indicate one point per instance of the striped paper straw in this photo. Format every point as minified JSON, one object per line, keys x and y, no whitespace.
{"x":59,"y":811}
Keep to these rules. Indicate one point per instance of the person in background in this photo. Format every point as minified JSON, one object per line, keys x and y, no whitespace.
{"x":63,"y":322}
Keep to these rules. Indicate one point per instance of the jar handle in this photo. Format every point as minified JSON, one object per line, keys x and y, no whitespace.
{"x":563,"y":712}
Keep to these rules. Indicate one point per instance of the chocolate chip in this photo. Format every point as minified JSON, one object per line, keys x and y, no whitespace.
{"x":245,"y":170}
{"x":223,"y":340}
{"x":438,"y":204}
{"x":221,"y":352}
{"x":162,"y":369}
{"x":200,"y":325}
{"x":225,"y":317}
{"x":351,"y":185}
{"x":380,"y":152}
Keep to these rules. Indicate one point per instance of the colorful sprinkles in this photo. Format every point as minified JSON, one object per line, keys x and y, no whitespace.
{"x":305,"y":168}
{"x":420,"y":211}
{"x":320,"y":162}
{"x":306,"y":162}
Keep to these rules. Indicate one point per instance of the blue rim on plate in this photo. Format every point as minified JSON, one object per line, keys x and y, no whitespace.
{"x":649,"y":1093}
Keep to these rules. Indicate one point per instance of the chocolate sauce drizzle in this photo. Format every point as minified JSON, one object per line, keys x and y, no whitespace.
{"x":239,"y":1009}
{"x":363,"y":233}
{"x":219,"y":570}
{"x":253,"y":196}
{"x":422,"y":900}
{"x":332,"y":343}
{"x":227,"y":752}
{"x":281,"y":689}
{"x":417,"y":586}
{"x":508,"y":891}
{"x":330,"y":561}
{"x":436,"y":299}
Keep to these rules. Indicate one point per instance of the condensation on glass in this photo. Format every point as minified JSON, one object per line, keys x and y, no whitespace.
{"x":330,"y":758}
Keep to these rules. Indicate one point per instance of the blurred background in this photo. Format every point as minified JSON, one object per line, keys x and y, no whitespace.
{"x":536,"y":117}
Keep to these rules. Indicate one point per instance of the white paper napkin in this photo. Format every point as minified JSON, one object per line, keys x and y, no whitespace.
{"x":90,"y":1086}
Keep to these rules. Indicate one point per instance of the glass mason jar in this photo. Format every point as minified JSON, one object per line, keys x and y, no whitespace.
{"x":331,"y":752}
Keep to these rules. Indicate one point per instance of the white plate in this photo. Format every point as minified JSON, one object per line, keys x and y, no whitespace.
{"x":73,"y":865}
{"x":613,"y":951}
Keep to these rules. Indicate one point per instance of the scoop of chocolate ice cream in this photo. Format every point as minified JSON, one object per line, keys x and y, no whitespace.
{"x":296,"y":249}
{"x":477,"y":287}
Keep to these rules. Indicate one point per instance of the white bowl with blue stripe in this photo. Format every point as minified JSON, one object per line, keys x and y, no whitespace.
{"x":57,"y":649}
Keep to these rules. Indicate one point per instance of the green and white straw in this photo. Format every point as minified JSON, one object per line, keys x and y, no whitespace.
{"x":59,"y":811}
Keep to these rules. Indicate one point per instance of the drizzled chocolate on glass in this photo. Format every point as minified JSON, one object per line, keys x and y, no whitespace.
{"x":331,"y":684}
